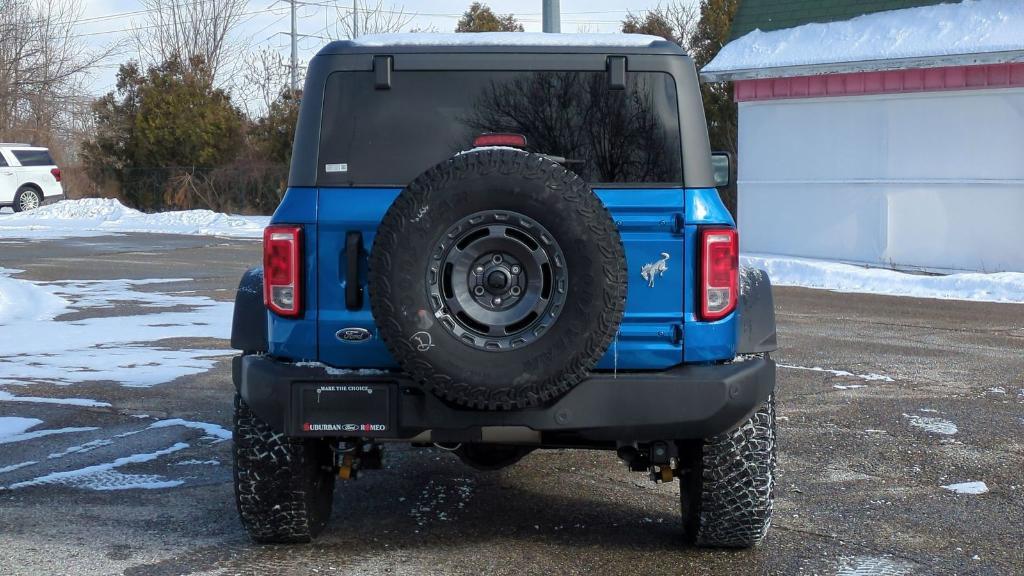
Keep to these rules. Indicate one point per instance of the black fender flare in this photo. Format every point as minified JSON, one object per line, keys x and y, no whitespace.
{"x":249,"y":324}
{"x":756,"y":313}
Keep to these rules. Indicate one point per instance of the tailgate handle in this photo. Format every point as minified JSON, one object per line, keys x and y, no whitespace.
{"x":353,"y":284}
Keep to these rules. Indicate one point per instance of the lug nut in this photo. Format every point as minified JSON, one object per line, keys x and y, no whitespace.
{"x":496,"y":259}
{"x":479,"y":290}
{"x":497,"y":301}
{"x":516,"y":290}
{"x":479,"y":270}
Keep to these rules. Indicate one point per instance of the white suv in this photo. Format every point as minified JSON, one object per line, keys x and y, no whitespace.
{"x":28,"y":177}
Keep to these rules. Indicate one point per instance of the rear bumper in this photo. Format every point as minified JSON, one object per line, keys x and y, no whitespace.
{"x":679,"y":403}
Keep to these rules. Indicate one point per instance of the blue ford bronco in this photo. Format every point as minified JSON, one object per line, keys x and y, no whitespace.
{"x":495,"y":244}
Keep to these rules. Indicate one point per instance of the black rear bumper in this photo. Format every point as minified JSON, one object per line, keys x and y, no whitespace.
{"x":679,"y":403}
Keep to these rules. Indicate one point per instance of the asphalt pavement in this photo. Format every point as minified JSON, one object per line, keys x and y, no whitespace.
{"x":882,"y":401}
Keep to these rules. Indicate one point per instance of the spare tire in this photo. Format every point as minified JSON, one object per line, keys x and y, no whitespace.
{"x":497,"y":279}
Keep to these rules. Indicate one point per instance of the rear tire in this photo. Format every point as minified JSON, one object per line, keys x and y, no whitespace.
{"x":284,"y":487}
{"x":27,"y":198}
{"x":726,"y":495}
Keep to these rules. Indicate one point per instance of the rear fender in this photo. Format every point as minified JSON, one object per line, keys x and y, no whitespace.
{"x":249,"y":325}
{"x":756,"y":313}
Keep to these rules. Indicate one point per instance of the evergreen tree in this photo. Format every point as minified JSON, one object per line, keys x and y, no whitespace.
{"x":654,"y":23}
{"x":712,"y":33}
{"x":158,"y":125}
{"x":719,"y":108}
{"x":480,"y":18}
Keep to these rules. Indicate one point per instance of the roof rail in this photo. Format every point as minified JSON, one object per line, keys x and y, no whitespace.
{"x":16,"y":144}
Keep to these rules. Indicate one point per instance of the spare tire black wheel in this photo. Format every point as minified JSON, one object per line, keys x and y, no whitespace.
{"x":497,"y":279}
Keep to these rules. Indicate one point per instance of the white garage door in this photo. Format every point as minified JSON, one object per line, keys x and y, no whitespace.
{"x":929,"y":180}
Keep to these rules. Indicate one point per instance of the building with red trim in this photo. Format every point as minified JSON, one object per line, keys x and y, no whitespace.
{"x":894,"y":138}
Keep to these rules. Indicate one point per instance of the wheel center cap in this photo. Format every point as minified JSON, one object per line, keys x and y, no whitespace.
{"x":497,"y":280}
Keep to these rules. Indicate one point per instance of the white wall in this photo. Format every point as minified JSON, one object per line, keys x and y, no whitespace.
{"x":931,"y":180}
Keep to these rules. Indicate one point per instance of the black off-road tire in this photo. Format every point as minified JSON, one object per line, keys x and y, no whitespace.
{"x":419,"y":225}
{"x":726,"y":495}
{"x":284,"y":487}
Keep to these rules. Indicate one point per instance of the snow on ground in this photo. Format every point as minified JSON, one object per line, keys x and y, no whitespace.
{"x":940,"y":30}
{"x":40,"y":346}
{"x":214,"y":431}
{"x":869,"y":377}
{"x":16,"y":429}
{"x":104,"y":216}
{"x":791,"y":271}
{"x":932,"y":424}
{"x":14,"y":425}
{"x":873,"y":566}
{"x":23,"y":301}
{"x":967,"y":487}
{"x":8,"y":397}
{"x":13,"y":467}
{"x":105,"y":476}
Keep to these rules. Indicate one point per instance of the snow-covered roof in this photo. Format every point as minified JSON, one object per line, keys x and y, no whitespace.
{"x":507,"y":39}
{"x":971,"y":32}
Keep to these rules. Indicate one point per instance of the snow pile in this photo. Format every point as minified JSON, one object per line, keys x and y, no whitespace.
{"x":507,"y":39}
{"x":98,"y":216}
{"x":789,"y":271}
{"x":941,"y":30}
{"x":23,"y":301}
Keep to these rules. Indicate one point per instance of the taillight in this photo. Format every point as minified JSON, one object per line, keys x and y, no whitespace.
{"x":497,"y":139}
{"x":719,"y":272}
{"x":282,"y":269}
{"x":56,"y":173}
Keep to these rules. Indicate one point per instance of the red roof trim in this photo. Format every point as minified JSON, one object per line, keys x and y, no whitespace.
{"x":892,"y":81}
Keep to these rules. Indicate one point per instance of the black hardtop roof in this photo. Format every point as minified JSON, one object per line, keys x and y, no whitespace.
{"x":504,"y":42}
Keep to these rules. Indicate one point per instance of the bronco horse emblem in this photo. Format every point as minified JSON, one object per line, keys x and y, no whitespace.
{"x":659,"y":268}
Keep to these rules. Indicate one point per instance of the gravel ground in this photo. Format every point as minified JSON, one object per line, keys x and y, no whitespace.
{"x":865,"y":448}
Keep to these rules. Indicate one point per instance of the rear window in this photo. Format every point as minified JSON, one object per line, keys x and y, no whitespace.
{"x":33,"y":157}
{"x":376,"y":137}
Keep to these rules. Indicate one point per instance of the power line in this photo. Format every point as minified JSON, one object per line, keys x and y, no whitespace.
{"x":102,"y":32}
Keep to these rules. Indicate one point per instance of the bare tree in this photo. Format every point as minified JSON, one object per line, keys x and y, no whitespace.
{"x":43,"y":69}
{"x":675,"y":21}
{"x":266,"y":75}
{"x":372,"y":19}
{"x":191,"y":29}
{"x":683,"y":18}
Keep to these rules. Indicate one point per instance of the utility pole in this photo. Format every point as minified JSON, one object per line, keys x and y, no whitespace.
{"x":355,"y":19}
{"x":295,"y":51}
{"x":552,"y":16}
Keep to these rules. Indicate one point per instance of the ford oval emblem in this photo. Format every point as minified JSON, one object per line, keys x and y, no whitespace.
{"x":353,"y":334}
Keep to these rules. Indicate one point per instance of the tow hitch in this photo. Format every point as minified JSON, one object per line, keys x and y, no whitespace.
{"x":659,"y":459}
{"x":353,"y":456}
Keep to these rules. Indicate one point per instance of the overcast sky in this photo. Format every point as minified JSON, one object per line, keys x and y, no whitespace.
{"x":109,"y":20}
